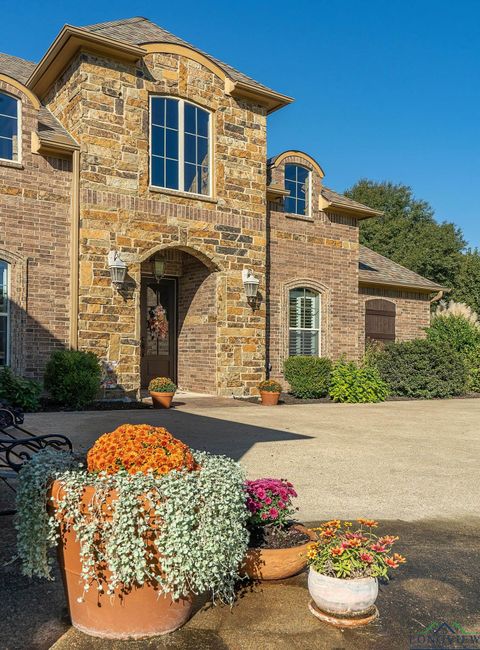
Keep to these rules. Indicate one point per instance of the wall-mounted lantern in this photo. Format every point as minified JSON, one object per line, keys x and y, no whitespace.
{"x":250,"y":284}
{"x":118,"y":269}
{"x":158,"y":268}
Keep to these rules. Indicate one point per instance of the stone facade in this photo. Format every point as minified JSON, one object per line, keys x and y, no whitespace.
{"x":224,"y":345}
{"x":35,"y":206}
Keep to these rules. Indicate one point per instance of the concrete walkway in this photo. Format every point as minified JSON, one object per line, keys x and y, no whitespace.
{"x":413,"y":465}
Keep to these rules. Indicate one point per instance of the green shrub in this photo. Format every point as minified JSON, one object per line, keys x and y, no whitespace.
{"x":463,"y":335}
{"x":422,"y":369}
{"x":73,"y":377}
{"x":309,"y":377}
{"x":20,"y":392}
{"x":355,"y":384}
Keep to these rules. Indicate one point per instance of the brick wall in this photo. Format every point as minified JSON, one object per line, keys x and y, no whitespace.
{"x":412,"y":312}
{"x":320,"y":252}
{"x":35,"y":240}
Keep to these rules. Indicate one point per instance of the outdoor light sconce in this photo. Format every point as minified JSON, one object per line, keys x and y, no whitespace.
{"x":250,"y":283}
{"x":118,"y":269}
{"x":158,"y":268}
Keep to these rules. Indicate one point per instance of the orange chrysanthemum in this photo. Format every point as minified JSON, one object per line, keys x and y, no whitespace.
{"x":139,"y":448}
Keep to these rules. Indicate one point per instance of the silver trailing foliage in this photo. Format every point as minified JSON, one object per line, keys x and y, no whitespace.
{"x":194,"y":520}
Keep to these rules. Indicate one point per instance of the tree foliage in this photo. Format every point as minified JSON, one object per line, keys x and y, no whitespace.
{"x":408,"y":232}
{"x":467,"y":281}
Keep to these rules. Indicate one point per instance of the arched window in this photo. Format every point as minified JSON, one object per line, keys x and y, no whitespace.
{"x":379,"y":320}
{"x":297,"y":182}
{"x":304,"y":322}
{"x":180,"y":146}
{"x":9,"y":128}
{"x":4,"y":313}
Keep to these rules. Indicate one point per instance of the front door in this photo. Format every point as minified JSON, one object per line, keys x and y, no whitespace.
{"x":159,"y":336}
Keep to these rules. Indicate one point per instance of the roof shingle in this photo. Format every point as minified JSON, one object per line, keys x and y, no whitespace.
{"x":341,"y":201}
{"x":376,"y":269}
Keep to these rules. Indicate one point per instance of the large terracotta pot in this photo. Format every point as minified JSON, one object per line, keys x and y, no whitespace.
{"x":138,"y":612}
{"x":277,"y":563}
{"x":268,"y":398}
{"x":161,"y":400}
{"x":340,"y":597}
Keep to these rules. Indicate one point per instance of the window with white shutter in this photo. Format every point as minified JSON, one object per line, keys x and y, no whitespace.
{"x":304,"y":322}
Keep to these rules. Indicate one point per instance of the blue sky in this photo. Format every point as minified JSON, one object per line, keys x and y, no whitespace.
{"x":384,"y":89}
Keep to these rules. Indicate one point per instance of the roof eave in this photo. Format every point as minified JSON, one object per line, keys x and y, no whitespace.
{"x":402,"y":285}
{"x":69,"y":41}
{"x":269,"y":98}
{"x":359,"y":213}
{"x":53,"y":146}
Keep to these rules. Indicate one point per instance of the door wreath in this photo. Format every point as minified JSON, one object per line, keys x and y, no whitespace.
{"x":157,"y":323}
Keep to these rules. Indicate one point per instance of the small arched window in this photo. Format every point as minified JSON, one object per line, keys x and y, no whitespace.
{"x":180,"y":146}
{"x":297,"y":182}
{"x":9,"y":128}
{"x":304,"y":322}
{"x":4,"y":313}
{"x":379,"y":320}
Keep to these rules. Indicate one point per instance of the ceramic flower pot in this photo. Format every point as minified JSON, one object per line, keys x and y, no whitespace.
{"x":277,"y":563}
{"x":132,"y":613}
{"x":342,"y":598}
{"x":161,"y":400}
{"x":268,"y":398}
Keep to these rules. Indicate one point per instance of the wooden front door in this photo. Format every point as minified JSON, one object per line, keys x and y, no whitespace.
{"x":379,"y":320}
{"x":159,"y":325}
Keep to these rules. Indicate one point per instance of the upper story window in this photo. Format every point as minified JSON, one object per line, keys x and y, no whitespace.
{"x":180,"y":146}
{"x":304,"y":325}
{"x":9,"y":127}
{"x":297,"y":182}
{"x":4,"y":314}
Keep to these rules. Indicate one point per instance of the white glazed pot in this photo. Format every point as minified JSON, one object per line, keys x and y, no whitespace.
{"x":342,"y":597}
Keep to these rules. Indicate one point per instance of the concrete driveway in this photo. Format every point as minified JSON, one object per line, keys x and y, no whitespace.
{"x":396,"y":460}
{"x":413,"y":465}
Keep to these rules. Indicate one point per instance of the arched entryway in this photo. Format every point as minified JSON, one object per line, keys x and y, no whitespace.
{"x":178,"y":319}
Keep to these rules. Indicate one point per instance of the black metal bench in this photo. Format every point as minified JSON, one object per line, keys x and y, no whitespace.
{"x":17,"y":445}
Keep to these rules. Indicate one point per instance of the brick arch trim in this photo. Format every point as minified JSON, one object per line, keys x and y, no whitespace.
{"x":189,"y":53}
{"x":301,"y":155}
{"x":325,"y":312}
{"x":21,"y":88}
{"x":210,"y":261}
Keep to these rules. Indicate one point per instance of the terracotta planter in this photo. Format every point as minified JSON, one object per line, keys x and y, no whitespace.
{"x":340,"y":597}
{"x":161,"y":400}
{"x":277,"y":563}
{"x":131,"y":614}
{"x":268,"y":398}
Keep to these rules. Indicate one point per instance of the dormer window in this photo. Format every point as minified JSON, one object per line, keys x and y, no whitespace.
{"x":9,"y":127}
{"x":180,"y":146}
{"x":297,"y":182}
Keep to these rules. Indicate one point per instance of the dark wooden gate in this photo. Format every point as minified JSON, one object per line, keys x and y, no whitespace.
{"x":379,"y":320}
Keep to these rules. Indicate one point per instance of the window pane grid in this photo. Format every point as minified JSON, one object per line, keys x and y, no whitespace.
{"x":297,"y":183}
{"x":189,"y":153}
{"x":304,"y":322}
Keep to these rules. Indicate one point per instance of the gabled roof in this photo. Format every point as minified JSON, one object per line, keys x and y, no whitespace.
{"x":49,"y":128}
{"x":139,"y":30}
{"x":339,"y":201}
{"x":375,"y":269}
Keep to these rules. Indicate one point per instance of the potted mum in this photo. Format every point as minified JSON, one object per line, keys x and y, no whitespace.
{"x":143,"y":527}
{"x":278,"y":545}
{"x":162,"y":390}
{"x":270,"y":392}
{"x":345,"y":565}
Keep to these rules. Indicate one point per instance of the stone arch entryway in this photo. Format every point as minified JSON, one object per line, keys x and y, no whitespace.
{"x":179,"y":318}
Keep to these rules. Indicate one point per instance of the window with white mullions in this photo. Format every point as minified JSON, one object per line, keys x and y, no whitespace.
{"x":297,"y":182}
{"x":180,"y":146}
{"x":9,"y":127}
{"x":4,"y":314}
{"x":304,"y":322}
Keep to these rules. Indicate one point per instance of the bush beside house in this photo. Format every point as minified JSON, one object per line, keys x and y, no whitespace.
{"x":309,"y":377}
{"x":73,"y":377}
{"x":356,"y":384}
{"x":19,"y":392}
